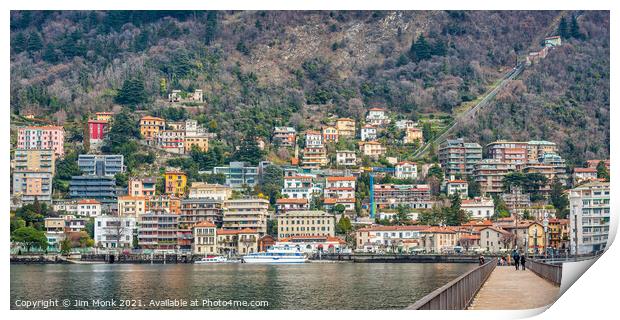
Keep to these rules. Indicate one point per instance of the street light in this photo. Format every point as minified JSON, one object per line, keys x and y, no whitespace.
{"x":545,"y":226}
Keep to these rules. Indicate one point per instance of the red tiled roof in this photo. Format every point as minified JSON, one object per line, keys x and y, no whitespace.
{"x":206,"y":224}
{"x":88,"y":201}
{"x":291,"y":201}
{"x":394,"y":228}
{"x":340,"y":178}
{"x":584,"y":170}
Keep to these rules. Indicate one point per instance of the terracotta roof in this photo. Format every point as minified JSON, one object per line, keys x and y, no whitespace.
{"x":45,"y":127}
{"x":290,"y":200}
{"x":470,"y":236}
{"x":151,"y":118}
{"x":437,"y":229}
{"x":478,"y":223}
{"x":97,"y":121}
{"x":345,"y":119}
{"x":132,"y":198}
{"x":297,"y":177}
{"x":88,"y":201}
{"x":495,"y":228}
{"x":206,"y":224}
{"x":457,"y":181}
{"x":376,"y":109}
{"x":351,"y":178}
{"x":405,"y":162}
{"x":393,"y":228}
{"x":580,"y":170}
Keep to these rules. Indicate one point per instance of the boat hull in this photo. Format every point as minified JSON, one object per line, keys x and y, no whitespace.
{"x":272,"y":260}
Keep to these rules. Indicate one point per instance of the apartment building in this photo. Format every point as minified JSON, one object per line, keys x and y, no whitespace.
{"x":239,"y":175}
{"x":489,"y":173}
{"x":512,"y":152}
{"x":314,"y":157}
{"x":406,"y":170}
{"x":201,"y":142}
{"x":346,"y":158}
{"x":205,"y":238}
{"x":330,"y":134}
{"x":368,"y":133}
{"x":88,"y":208}
{"x":142,"y":187}
{"x":175,"y":182}
{"x":306,"y":223}
{"x":246,"y":213}
{"x":458,"y":157}
{"x":372,"y":149}
{"x":412,"y":196}
{"x":41,"y":160}
{"x":164,"y":203}
{"x":345,"y":127}
{"x":101,"y":165}
{"x":131,"y":206}
{"x":100,"y":188}
{"x":158,"y":231}
{"x":44,"y":137}
{"x":151,"y":126}
{"x":412,"y":135}
{"x":114,"y":231}
{"x":589,"y":217}
{"x":456,"y":186}
{"x":479,"y":207}
{"x":284,"y":136}
{"x":205,"y":190}
{"x":377,"y":117}
{"x":287,"y":204}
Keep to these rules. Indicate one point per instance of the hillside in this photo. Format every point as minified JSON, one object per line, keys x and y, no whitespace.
{"x":260,"y":69}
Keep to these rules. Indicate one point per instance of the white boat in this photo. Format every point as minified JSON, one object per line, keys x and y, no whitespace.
{"x":213,"y":259}
{"x":276,"y":255}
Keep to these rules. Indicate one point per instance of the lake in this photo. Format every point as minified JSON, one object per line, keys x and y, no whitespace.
{"x":228,"y":286}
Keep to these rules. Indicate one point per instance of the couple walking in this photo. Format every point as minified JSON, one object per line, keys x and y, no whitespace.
{"x":518,"y":258}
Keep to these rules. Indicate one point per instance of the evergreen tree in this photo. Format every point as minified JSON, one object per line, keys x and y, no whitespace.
{"x":574,"y":28}
{"x":132,"y":93}
{"x":19,"y":43}
{"x":559,"y":200}
{"x":420,"y":49}
{"x":34,"y":42}
{"x":248,"y":151}
{"x":563,"y":29}
{"x":211,"y":27}
{"x":601,"y":171}
{"x":49,"y":53}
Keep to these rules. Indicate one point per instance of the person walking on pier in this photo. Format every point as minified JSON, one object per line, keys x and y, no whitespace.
{"x":515,"y":257}
{"x":522,"y":258}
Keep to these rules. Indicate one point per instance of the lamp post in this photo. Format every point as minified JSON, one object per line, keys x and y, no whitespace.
{"x":545,"y":226}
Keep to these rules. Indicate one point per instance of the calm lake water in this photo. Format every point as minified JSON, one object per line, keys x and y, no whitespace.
{"x":305,"y":286}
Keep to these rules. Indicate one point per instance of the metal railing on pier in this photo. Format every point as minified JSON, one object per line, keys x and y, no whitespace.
{"x":458,"y":293}
{"x":549,"y":272}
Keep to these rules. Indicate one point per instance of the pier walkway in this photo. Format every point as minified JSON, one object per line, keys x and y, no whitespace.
{"x":509,"y":289}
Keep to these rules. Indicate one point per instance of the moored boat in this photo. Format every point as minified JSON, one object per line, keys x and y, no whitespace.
{"x":276,"y":256}
{"x":213,"y":259}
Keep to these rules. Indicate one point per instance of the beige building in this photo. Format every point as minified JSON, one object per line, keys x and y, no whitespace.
{"x":131,"y":206}
{"x":246,"y":213}
{"x":202,"y":142}
{"x":205,"y":238}
{"x":346,"y":127}
{"x":151,"y":126}
{"x":237,"y":242}
{"x":34,"y":160}
{"x":372,"y":149}
{"x":203,"y":190}
{"x":413,"y":134}
{"x":495,"y":239}
{"x":306,"y":223}
{"x":438,"y":239}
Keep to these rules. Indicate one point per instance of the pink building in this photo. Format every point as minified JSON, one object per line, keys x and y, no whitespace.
{"x":45,"y":137}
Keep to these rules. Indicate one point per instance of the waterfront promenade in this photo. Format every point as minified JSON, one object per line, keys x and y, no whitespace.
{"x":508,"y":289}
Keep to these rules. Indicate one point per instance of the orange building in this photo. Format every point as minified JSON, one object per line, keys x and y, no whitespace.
{"x":151,"y":126}
{"x":175,"y":182}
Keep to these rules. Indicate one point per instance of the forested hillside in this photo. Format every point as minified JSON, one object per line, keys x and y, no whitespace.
{"x":260,"y":69}
{"x":563,"y":98}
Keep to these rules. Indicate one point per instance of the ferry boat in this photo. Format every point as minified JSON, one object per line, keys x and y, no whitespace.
{"x":278,"y":255}
{"x":213,"y":259}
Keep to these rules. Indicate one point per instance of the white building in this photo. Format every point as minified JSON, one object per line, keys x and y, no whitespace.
{"x":459,"y":187}
{"x":114,"y":232}
{"x":88,"y":208}
{"x":368,"y":133}
{"x":298,"y":187}
{"x":584,"y":174}
{"x":405,"y":124}
{"x":589,"y":217}
{"x":346,"y":158}
{"x":340,"y":187}
{"x":314,"y":139}
{"x":377,"y":117}
{"x":406,"y":170}
{"x":479,"y":207}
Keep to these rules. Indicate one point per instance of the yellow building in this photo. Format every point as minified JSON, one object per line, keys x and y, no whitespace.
{"x":412,"y":135}
{"x":131,"y":206}
{"x":104,"y":116}
{"x":175,"y":182}
{"x":202,"y":142}
{"x":346,"y":127}
{"x":150,"y":126}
